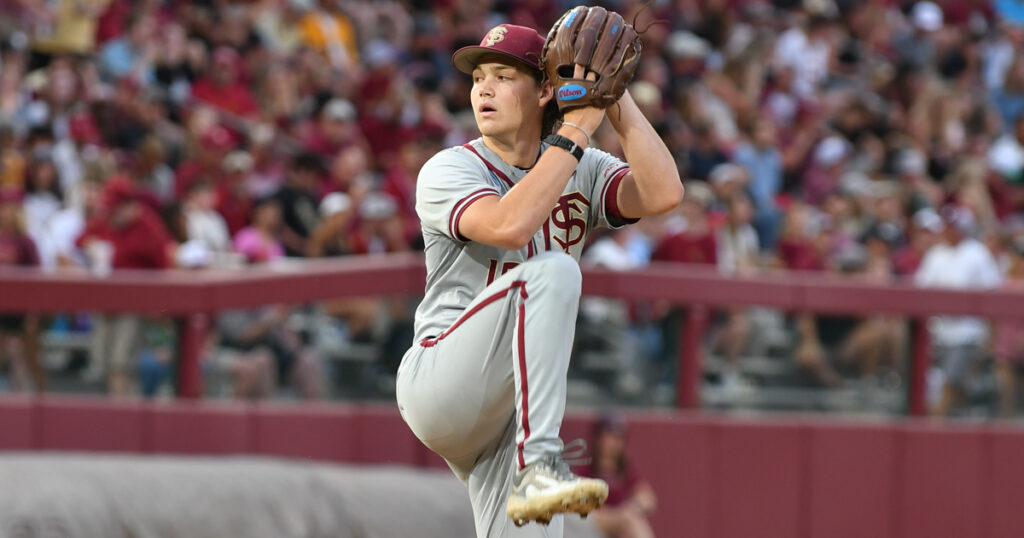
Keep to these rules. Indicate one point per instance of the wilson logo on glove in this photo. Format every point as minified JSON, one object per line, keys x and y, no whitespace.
{"x":571,"y":92}
{"x":600,"y":42}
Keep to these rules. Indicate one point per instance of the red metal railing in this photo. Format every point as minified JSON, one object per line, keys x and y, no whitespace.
{"x":197,"y":295}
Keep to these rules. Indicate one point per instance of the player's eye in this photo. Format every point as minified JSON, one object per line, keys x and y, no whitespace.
{"x":504,"y":77}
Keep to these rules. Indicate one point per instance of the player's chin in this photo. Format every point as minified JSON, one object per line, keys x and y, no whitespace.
{"x":489,"y":127}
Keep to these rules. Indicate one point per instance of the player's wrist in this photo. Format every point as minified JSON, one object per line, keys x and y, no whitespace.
{"x":576,"y":135}
{"x":580,"y":128}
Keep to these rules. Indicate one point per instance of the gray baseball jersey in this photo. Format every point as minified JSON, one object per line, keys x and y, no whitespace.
{"x":457,"y":269}
{"x":484,"y":383}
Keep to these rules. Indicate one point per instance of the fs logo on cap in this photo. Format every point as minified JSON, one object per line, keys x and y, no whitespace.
{"x":496,"y":35}
{"x":571,"y":92}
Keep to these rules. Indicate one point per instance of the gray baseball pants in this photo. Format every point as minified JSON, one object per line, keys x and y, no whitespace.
{"x":488,"y":394}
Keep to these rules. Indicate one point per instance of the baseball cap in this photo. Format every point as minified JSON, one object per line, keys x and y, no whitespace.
{"x":119,"y":189}
{"x":928,"y":219}
{"x":926,"y":16}
{"x":340,"y":110}
{"x":334,"y":203}
{"x":238,"y":161}
{"x":726,"y":172}
{"x":518,"y":42}
{"x":686,"y":45}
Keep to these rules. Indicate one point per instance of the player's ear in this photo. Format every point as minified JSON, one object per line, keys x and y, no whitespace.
{"x":547,"y":92}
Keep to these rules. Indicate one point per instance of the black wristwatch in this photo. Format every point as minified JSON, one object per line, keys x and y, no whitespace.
{"x":567,"y":144}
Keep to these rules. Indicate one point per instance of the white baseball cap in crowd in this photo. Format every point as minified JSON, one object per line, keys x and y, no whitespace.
{"x":340,"y":109}
{"x":725,"y":173}
{"x":927,"y":219}
{"x":926,"y":16}
{"x":334,"y":203}
{"x":830,"y":151}
{"x":683,"y":45}
{"x":238,"y":161}
{"x":377,"y":206}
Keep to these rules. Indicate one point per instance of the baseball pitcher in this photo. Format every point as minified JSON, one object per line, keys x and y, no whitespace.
{"x":505,"y":218}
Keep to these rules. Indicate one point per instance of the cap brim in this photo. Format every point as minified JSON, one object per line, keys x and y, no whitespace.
{"x":467,"y":58}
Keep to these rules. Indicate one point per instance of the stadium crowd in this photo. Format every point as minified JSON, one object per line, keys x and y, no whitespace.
{"x":877,"y":138}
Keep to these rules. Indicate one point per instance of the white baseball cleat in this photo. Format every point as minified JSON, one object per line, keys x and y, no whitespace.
{"x":547,"y":487}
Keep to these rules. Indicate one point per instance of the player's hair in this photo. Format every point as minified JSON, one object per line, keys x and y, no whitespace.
{"x":551,"y":113}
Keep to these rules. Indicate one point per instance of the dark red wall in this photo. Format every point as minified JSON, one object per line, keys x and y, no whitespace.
{"x":715,"y":477}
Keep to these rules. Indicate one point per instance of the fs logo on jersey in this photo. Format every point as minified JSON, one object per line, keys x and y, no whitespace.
{"x":567,"y":218}
{"x":571,"y":92}
{"x":496,"y":35}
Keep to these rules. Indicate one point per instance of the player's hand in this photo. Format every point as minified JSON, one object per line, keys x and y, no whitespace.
{"x":588,"y":117}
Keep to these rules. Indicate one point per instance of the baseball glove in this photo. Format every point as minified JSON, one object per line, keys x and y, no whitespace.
{"x":603,"y":44}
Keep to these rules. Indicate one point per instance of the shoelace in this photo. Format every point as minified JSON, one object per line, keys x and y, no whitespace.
{"x":574,"y":453}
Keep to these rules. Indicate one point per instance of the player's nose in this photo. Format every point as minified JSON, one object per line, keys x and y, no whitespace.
{"x":484,"y":88}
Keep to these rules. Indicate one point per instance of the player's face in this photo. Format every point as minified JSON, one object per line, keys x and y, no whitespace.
{"x":505,"y":99}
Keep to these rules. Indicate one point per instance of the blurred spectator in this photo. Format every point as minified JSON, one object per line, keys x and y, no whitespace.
{"x":689,"y":238}
{"x":132,"y":54}
{"x":331,"y":237}
{"x":378,"y":227}
{"x":72,"y":29}
{"x":128,"y":235}
{"x":761,"y":157}
{"x":704,"y":153}
{"x":298,"y":201}
{"x":631,"y":499}
{"x":17,"y":331}
{"x":351,"y":173}
{"x":261,"y":242}
{"x":399,"y":181}
{"x":926,"y":232}
{"x":224,"y":86}
{"x":202,"y":221}
{"x":960,"y":262}
{"x":263,"y":333}
{"x":211,"y":148}
{"x":327,"y":29}
{"x":154,"y":177}
{"x":1008,"y":342}
{"x":737,"y":255}
{"x":234,"y":197}
{"x":335,"y":129}
{"x":43,"y":199}
{"x":1006,"y":155}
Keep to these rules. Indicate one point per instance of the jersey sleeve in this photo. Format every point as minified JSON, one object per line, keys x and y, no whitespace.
{"x":447,"y":184}
{"x":605,"y":171}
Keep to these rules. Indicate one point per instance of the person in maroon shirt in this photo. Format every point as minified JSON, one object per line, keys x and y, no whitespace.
{"x":138,"y":239}
{"x":224,"y":87}
{"x":138,"y":235}
{"x":695,"y":243}
{"x":210,"y":150}
{"x":18,"y":332}
{"x":234,"y":201}
{"x":400,"y":180}
{"x":631,"y":499}
{"x":333,"y":130}
{"x":800,"y":248}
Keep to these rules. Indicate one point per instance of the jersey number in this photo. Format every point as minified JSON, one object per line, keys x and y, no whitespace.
{"x":492,"y":269}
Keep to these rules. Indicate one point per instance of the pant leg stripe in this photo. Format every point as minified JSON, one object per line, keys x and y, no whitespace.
{"x":521,"y":337}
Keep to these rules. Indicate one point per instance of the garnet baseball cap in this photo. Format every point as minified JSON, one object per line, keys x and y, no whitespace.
{"x":519,"y":42}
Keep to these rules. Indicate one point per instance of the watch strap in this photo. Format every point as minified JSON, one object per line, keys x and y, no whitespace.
{"x":567,"y":144}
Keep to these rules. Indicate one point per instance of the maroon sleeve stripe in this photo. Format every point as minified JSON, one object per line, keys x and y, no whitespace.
{"x":460,"y":207}
{"x":611,"y":199}
{"x":490,"y":166}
